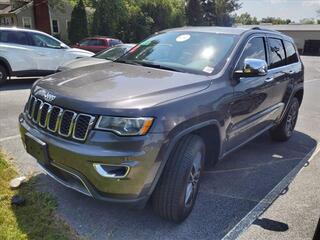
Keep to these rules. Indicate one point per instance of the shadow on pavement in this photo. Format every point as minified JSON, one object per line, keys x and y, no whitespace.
{"x":18,"y":84}
{"x":271,"y":225}
{"x":227,"y":194}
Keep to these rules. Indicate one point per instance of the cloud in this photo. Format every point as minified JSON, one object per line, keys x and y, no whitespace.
{"x":311,"y":3}
{"x":307,"y":3}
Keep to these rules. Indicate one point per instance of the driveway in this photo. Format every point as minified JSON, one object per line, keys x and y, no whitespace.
{"x":232,"y":196}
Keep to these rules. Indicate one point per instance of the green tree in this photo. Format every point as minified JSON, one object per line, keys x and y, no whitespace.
{"x":218,"y":12}
{"x":107,"y":17}
{"x":78,"y":24}
{"x":194,"y":15}
{"x":308,"y":21}
{"x":246,"y":19}
{"x":275,"y":21}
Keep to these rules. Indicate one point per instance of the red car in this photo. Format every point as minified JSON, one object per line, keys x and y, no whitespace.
{"x":97,"y":44}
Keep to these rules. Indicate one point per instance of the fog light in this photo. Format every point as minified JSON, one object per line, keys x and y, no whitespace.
{"x":111,"y":171}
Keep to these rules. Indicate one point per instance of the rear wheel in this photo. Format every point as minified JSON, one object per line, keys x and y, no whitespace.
{"x":3,"y":75}
{"x":177,"y":190}
{"x":285,"y":129}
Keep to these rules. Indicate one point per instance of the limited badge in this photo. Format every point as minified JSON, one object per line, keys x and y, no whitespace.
{"x":183,"y":38}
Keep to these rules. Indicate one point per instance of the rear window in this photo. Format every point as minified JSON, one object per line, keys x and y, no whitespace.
{"x":14,"y":37}
{"x":277,"y":53}
{"x":292,"y":56}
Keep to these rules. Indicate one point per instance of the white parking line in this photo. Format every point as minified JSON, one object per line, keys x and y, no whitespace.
{"x":245,"y":222}
{"x":312,"y":80}
{"x":9,"y":138}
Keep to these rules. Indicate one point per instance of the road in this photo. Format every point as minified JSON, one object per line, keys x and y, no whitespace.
{"x":253,"y":193}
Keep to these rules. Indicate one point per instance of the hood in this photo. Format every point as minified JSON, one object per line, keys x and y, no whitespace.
{"x":118,"y":86}
{"x":82,"y":62}
{"x":80,"y":51}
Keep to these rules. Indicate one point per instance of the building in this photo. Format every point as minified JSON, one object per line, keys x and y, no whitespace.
{"x":36,"y":14}
{"x":306,"y":36}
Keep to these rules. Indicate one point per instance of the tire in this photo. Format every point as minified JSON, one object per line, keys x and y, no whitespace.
{"x":285,"y":129}
{"x":177,"y":189}
{"x":3,"y":75}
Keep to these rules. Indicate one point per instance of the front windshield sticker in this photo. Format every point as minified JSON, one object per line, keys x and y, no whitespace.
{"x":208,"y":69}
{"x":183,"y":38}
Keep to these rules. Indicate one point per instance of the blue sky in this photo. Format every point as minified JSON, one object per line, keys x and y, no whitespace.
{"x":292,"y":9}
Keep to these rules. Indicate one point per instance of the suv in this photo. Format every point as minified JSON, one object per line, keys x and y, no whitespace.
{"x":147,"y":124}
{"x":30,"y":53}
{"x":97,"y":44}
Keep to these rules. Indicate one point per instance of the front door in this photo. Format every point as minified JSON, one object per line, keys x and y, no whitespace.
{"x":48,"y":52}
{"x":253,"y":108}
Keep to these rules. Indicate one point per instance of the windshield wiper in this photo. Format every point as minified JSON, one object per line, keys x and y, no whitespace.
{"x":154,"y":65}
{"x":126,"y":61}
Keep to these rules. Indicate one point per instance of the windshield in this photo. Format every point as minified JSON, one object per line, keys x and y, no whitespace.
{"x":113,"y":53}
{"x":194,"y":52}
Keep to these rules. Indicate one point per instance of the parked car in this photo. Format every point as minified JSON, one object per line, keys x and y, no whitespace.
{"x":143,"y":127}
{"x":110,"y":54}
{"x":97,"y":44}
{"x":30,"y":53}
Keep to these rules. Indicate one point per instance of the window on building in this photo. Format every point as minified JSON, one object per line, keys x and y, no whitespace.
{"x":26,"y":22}
{"x":277,"y":53}
{"x":55,"y":26}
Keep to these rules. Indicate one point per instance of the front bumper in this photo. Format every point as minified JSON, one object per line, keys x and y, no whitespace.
{"x":72,"y":163}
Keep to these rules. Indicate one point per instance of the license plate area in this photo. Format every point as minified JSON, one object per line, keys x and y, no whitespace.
{"x":37,"y":148}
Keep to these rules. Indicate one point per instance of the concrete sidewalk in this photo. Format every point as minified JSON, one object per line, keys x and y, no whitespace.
{"x":293,"y":215}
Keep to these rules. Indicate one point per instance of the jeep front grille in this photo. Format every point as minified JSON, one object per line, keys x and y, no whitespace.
{"x":59,"y":121}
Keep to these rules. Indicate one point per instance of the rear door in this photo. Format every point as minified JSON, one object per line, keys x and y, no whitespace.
{"x":291,"y":71}
{"x":252,"y":110}
{"x":280,"y":71}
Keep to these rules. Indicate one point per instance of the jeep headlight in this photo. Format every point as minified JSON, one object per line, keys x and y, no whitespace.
{"x":125,"y":126}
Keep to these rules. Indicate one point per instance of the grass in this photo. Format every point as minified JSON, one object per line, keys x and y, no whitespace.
{"x":34,"y":220}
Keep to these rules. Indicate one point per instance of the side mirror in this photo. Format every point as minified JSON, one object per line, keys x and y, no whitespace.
{"x":253,"y":68}
{"x":63,"y":46}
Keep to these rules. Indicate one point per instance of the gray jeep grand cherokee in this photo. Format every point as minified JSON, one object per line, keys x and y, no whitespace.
{"x":145,"y":125}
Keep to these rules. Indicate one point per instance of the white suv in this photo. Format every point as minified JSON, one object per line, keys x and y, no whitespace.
{"x":30,"y":53}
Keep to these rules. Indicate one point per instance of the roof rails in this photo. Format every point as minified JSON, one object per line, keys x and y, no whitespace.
{"x":264,"y":29}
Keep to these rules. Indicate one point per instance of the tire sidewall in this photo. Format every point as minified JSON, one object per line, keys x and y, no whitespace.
{"x":185,"y":210}
{"x":293,"y":102}
{"x":4,"y":73}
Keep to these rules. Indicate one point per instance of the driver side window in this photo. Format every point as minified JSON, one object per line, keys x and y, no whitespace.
{"x":255,"y":49}
{"x":40,"y":40}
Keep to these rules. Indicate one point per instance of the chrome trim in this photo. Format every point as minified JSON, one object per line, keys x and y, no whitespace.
{"x":41,"y":103}
{"x":32,"y":108}
{"x":104,"y":173}
{"x":64,"y":183}
{"x":46,"y":120}
{"x":90,"y":125}
{"x":58,"y":119}
{"x":71,"y":124}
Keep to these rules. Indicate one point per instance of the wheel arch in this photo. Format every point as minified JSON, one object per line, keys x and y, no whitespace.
{"x":299,"y":95}
{"x":6,"y":64}
{"x":206,"y":130}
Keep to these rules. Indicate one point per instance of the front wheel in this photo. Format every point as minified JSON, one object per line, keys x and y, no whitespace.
{"x":177,"y":190}
{"x":284,"y":130}
{"x":3,"y":75}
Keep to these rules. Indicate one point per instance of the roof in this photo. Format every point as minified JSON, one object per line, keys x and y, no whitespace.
{"x":9,"y":10}
{"x":286,"y":27}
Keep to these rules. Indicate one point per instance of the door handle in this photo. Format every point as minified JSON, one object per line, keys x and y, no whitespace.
{"x":269,"y":79}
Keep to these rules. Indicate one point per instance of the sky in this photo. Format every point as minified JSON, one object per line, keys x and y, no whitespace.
{"x":292,"y":9}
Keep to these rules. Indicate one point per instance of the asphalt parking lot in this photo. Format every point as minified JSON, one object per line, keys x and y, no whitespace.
{"x":264,"y":190}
